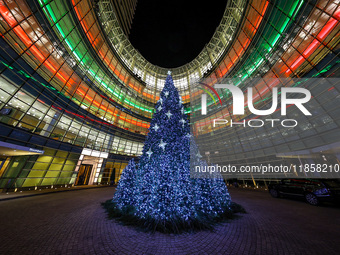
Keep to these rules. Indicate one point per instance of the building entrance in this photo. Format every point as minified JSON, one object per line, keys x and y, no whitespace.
{"x":84,"y":174}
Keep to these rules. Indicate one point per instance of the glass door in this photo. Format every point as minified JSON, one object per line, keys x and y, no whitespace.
{"x":84,"y":174}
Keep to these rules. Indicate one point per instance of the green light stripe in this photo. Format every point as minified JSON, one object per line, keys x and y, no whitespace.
{"x":259,"y":60}
{"x":49,"y":13}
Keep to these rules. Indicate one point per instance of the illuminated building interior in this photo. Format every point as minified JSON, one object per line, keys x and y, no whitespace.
{"x":75,"y":93}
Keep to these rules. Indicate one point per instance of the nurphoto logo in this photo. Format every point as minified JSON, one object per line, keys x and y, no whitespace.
{"x":238,"y":105}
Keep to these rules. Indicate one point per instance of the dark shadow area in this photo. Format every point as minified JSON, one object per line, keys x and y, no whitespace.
{"x":128,"y":218}
{"x":173,"y":33}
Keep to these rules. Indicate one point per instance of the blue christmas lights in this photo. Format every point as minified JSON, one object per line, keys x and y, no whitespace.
{"x":159,"y":189}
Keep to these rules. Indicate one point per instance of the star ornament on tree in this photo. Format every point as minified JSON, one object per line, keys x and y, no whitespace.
{"x":162,"y":144}
{"x":156,"y":127}
{"x":159,"y":108}
{"x":166,"y":94}
{"x":160,"y":100}
{"x":169,"y":72}
{"x":182,"y":121}
{"x":149,"y":152}
{"x":169,"y":114}
{"x":180,"y":101}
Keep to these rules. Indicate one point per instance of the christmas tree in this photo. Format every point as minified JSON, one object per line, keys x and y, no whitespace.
{"x":160,"y":194}
{"x":124,"y":197}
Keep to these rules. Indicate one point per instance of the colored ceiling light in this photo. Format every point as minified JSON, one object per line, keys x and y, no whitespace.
{"x":49,"y":13}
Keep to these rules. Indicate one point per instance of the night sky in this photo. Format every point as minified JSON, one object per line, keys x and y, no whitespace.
{"x":171,"y":33}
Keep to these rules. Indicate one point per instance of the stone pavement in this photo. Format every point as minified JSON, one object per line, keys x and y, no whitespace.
{"x":42,"y":191}
{"x":75,"y":223}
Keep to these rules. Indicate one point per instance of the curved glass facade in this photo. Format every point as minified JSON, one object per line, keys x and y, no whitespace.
{"x":72,"y":86}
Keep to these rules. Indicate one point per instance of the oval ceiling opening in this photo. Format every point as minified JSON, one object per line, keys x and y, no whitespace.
{"x":172,"y":33}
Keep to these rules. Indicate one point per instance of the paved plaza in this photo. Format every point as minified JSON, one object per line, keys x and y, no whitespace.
{"x":75,"y":223}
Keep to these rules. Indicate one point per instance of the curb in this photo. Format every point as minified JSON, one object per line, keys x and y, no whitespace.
{"x":54,"y":191}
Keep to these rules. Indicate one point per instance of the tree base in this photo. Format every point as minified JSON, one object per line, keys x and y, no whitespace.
{"x":175,"y":226}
